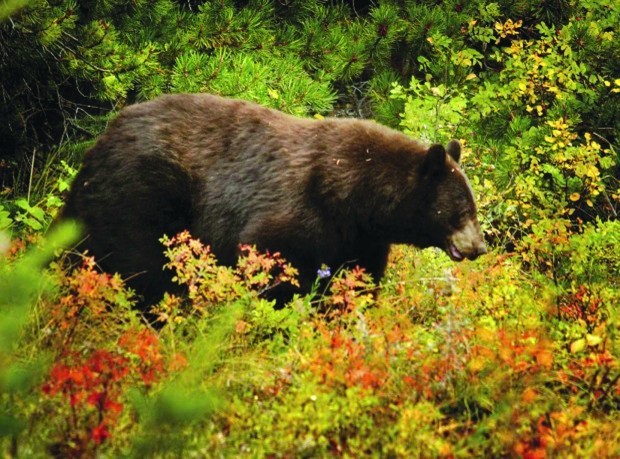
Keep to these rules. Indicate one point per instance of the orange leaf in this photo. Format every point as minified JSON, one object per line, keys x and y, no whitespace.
{"x":544,"y":358}
{"x":529,"y":395}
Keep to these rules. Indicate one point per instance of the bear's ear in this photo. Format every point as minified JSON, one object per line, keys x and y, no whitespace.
{"x":454,"y":149}
{"x":435,"y":160}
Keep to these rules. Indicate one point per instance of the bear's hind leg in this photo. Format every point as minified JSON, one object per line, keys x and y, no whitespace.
{"x":125,"y":207}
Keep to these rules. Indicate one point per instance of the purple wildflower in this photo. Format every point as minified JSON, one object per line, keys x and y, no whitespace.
{"x":324,"y":272}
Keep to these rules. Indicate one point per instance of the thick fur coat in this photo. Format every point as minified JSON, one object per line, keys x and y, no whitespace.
{"x":335,"y":191}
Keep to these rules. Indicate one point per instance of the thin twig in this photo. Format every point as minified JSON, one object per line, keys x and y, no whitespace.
{"x":34,"y":153}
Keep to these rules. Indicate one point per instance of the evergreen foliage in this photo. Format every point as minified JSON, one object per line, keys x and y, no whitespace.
{"x":65,"y":65}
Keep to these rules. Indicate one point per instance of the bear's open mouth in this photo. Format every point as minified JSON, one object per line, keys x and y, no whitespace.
{"x":453,"y":252}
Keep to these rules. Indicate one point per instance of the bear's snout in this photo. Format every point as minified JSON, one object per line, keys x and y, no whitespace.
{"x":481,"y":249}
{"x":466,"y":242}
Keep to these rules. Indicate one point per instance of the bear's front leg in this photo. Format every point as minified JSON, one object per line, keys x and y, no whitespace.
{"x":373,"y":257}
{"x":304,"y":243}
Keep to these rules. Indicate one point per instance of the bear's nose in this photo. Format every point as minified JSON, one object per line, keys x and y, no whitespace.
{"x":480,"y":250}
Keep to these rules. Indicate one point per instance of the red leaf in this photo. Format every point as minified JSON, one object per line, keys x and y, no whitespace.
{"x":100,"y":433}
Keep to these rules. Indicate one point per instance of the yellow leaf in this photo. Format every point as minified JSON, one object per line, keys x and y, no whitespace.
{"x":318,"y":116}
{"x":589,"y":203}
{"x":471,"y":76}
{"x":593,"y":340}
{"x":574,"y":197}
{"x":577,"y":346}
{"x":476,"y":364}
{"x":273,"y":94}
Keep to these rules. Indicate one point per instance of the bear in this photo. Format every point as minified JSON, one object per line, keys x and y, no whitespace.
{"x":333,"y":191}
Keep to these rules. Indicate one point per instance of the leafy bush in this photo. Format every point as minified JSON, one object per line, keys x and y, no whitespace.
{"x":524,"y":99}
{"x":481,"y":359}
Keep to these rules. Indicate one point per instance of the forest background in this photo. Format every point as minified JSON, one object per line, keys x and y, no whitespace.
{"x":514,"y":355}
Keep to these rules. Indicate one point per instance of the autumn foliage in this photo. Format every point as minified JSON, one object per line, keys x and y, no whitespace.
{"x":483,"y":359}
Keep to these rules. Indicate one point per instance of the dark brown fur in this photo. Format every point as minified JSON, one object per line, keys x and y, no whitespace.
{"x":333,"y":191}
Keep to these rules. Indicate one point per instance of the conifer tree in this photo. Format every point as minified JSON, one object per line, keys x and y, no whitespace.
{"x":66,"y":66}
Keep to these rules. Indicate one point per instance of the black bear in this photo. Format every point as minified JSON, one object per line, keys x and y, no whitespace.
{"x":335,"y":192}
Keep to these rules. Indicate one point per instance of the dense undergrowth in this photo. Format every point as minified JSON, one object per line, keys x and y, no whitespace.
{"x":514,"y":355}
{"x":478,"y":359}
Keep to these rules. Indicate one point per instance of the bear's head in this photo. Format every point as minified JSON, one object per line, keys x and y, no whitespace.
{"x":440,"y":209}
{"x":451,"y":210}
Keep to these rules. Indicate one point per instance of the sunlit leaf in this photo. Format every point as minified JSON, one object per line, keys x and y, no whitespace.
{"x":578,"y":346}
